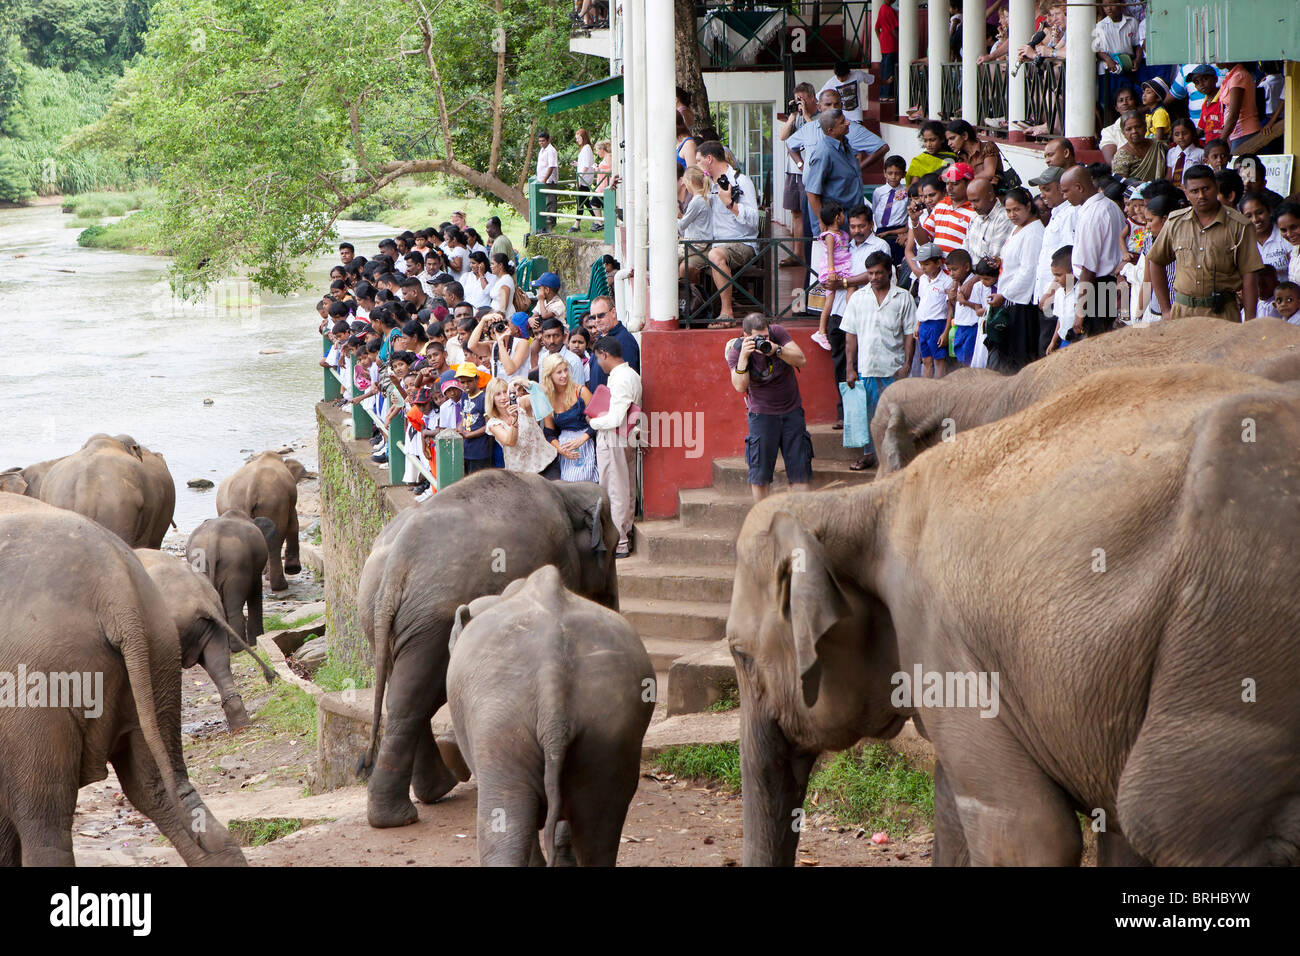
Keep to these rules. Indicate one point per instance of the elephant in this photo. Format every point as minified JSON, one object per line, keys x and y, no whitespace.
{"x":926,"y":411}
{"x":200,"y":621}
{"x":1119,"y":574}
{"x":232,"y":550}
{"x":267,"y":487}
{"x":550,"y":695}
{"x":81,"y":605}
{"x":113,"y":480}
{"x":470,"y":539}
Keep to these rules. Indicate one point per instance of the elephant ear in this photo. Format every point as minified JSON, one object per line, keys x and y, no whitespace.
{"x":811,"y":599}
{"x":899,"y":446}
{"x":296,"y":469}
{"x":13,"y":481}
{"x":463,"y":616}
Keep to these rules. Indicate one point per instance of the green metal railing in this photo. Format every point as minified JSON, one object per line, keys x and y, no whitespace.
{"x":991,"y":96}
{"x":1045,"y":94}
{"x":918,"y":97}
{"x":449,"y":447}
{"x":539,"y":220}
{"x":812,"y":35}
{"x":950,"y":90}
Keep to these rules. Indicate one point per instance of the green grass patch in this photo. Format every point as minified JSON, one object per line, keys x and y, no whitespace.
{"x":259,"y":831}
{"x":282,"y":622}
{"x":289,"y":710}
{"x":730,"y":699}
{"x":338,"y":674}
{"x":316,"y":536}
{"x":714,"y":763}
{"x":139,"y":232}
{"x":77,"y":222}
{"x":428,"y":201}
{"x":872,"y":787}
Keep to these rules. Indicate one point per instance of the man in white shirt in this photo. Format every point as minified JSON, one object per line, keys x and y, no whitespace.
{"x":1098,"y":252}
{"x":990,"y":227}
{"x":735,"y":224}
{"x":613,"y":450}
{"x":1058,"y":234}
{"x":851,"y":85}
{"x":879,"y":337}
{"x":548,"y":174}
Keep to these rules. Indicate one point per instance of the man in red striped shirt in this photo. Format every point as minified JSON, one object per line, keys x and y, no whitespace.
{"x":947,"y":224}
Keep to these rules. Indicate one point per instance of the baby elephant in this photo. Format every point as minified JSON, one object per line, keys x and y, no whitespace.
{"x":550,"y":696}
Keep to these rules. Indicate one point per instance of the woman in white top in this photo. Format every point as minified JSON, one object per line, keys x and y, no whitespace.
{"x":586,"y":166}
{"x":503,"y":286}
{"x":1016,"y":283}
{"x":494,"y":339}
{"x":477,"y":283}
{"x":456,"y":253}
{"x":474,"y":242}
{"x":510,"y":421}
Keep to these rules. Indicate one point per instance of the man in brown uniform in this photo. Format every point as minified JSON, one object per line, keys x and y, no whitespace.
{"x":1214,"y":254}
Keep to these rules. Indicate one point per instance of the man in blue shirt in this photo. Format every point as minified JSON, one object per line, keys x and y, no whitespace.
{"x":607,"y":323}
{"x":832,"y":171}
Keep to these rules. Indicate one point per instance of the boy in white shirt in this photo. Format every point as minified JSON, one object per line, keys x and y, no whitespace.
{"x":932,"y":307}
{"x":963,"y":322}
{"x":1063,"y":296}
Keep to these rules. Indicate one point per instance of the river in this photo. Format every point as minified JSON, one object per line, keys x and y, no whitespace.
{"x":99,"y":344}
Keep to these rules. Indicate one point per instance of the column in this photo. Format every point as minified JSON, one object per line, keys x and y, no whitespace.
{"x":617,"y":132}
{"x":1020,"y":29}
{"x":937,"y":42}
{"x":640,"y":224}
{"x":661,"y":163}
{"x":874,"y":41}
{"x":972,"y":47}
{"x":909,"y":20}
{"x":1080,"y":72}
{"x":1291,"y":119}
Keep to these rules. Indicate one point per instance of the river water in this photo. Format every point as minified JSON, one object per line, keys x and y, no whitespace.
{"x":99,"y":344}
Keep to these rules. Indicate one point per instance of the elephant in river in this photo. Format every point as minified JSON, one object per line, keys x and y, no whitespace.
{"x":1075,"y":604}
{"x":200,"y":621}
{"x":232,"y":550}
{"x":75,"y":602}
{"x":550,"y":695}
{"x":470,"y":539}
{"x":113,"y":480}
{"x":917,"y":413}
{"x":267,"y":487}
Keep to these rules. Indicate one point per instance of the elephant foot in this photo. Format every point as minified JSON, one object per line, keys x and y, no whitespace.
{"x":383,"y":816}
{"x":280,"y":585}
{"x":434,"y":789}
{"x":292,"y":567}
{"x":236,"y":716}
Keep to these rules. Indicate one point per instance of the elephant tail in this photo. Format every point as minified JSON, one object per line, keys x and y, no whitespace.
{"x":237,"y":644}
{"x":385,"y":612}
{"x":133,"y":643}
{"x":553,"y":770}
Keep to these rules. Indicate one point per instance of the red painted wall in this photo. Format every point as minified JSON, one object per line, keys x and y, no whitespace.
{"x":684,"y":370}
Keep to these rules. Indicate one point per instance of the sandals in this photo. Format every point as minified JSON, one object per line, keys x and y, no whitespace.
{"x":722,"y":322}
{"x":862,"y":464}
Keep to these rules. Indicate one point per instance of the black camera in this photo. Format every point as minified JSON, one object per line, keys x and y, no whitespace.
{"x":499,"y":326}
{"x":764,"y":346}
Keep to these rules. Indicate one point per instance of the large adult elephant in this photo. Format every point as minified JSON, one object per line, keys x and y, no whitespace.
{"x":80,"y":617}
{"x":469,"y":540}
{"x":1127,"y":571}
{"x":206,"y":638}
{"x":267,"y":487}
{"x":231,"y":551}
{"x":113,"y":480}
{"x":915,"y":413}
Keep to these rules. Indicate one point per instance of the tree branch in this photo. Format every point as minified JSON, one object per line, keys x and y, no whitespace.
{"x":426,"y":30}
{"x":528,"y":156}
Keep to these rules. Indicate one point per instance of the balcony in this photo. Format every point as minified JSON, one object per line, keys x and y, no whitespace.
{"x":740,"y":36}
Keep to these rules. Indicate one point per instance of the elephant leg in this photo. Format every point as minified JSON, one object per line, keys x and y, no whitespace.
{"x":564,"y":855}
{"x":596,"y":799}
{"x":1114,"y":850}
{"x":292,"y":564}
{"x":11,"y":848}
{"x":949,"y":840}
{"x":255,"y":629}
{"x":417,"y":687}
{"x":509,"y":814}
{"x":430,"y":777}
{"x":42,"y":808}
{"x":275,"y":564}
{"x":216,"y":661}
{"x":233,"y":606}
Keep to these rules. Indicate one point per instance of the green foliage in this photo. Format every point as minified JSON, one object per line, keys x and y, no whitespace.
{"x":289,"y":710}
{"x":15,"y":178}
{"x":139,"y":232}
{"x":258,"y":831}
{"x":90,"y":236}
{"x":715,"y":763}
{"x":875,"y":788}
{"x":282,"y":622}
{"x":13,"y":77}
{"x":78,"y":35}
{"x":338,"y":673}
{"x":730,"y":699}
{"x":250,"y":124}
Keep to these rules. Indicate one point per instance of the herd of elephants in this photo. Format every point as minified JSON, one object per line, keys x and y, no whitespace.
{"x":1112,"y":532}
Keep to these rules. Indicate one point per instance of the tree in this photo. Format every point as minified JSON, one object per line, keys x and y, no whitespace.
{"x":270,"y":119}
{"x":689,"y":75}
{"x":73,"y":35}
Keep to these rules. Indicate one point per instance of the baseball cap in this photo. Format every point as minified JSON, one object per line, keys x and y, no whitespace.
{"x":423,"y":395}
{"x":448,"y":385}
{"x":927,"y":251}
{"x":520,"y":321}
{"x":470,"y":370}
{"x":957,"y":171}
{"x":442,"y":278}
{"x":548,"y":279}
{"x":1203,"y":70}
{"x":1050,"y":174}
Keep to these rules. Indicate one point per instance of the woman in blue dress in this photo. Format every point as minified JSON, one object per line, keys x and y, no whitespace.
{"x":566,"y":427}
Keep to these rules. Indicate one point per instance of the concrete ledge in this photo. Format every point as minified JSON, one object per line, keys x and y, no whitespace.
{"x":699,"y":680}
{"x":343,"y":732}
{"x":687,"y":729}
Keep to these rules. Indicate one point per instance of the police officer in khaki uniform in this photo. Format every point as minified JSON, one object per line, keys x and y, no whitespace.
{"x":1214,"y":254}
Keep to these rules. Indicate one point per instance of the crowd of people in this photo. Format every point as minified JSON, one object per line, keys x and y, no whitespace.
{"x":437,"y":338}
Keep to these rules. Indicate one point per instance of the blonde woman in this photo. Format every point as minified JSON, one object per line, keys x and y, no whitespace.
{"x":510,"y":421}
{"x":566,"y":428}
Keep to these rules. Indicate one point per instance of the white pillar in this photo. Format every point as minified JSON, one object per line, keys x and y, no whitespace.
{"x":874,"y":42}
{"x":909,"y":23}
{"x":1020,"y":28}
{"x":661,"y":166}
{"x":617,"y":131}
{"x":1080,"y":71}
{"x":640,"y":225}
{"x":937,"y":43}
{"x":972,"y":47}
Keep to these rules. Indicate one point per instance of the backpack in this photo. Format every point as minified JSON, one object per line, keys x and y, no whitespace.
{"x":996,"y":324}
{"x":1008,"y":179}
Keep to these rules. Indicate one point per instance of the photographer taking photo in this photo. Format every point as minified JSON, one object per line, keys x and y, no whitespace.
{"x":762,"y":367}
{"x":494,"y":339}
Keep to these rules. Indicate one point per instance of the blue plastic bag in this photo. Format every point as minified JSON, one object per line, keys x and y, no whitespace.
{"x":857,"y":424}
{"x":541,"y":407}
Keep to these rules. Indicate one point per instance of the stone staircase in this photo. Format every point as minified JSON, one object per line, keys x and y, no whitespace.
{"x":676,"y":587}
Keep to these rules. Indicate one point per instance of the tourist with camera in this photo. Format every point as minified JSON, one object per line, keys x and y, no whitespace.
{"x":763,"y":365}
{"x":734,"y":205}
{"x":494,"y":339}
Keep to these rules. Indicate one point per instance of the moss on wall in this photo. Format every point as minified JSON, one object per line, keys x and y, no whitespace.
{"x":569,"y":258}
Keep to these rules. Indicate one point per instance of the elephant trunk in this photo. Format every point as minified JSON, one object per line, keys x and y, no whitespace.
{"x":774,"y":779}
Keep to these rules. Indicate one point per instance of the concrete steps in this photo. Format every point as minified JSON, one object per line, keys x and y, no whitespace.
{"x":731,"y":475}
{"x":639,"y":578}
{"x":669,"y":543}
{"x":684,"y":620}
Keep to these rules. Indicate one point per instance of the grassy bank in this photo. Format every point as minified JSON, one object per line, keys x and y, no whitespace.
{"x":871,"y":787}
{"x":414,"y":204}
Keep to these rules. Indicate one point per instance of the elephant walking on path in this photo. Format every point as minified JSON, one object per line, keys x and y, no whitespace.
{"x":267,"y":487}
{"x":1116,"y":564}
{"x":550,"y":696}
{"x":232,"y":551}
{"x":81,"y":620}
{"x":471,"y":539}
